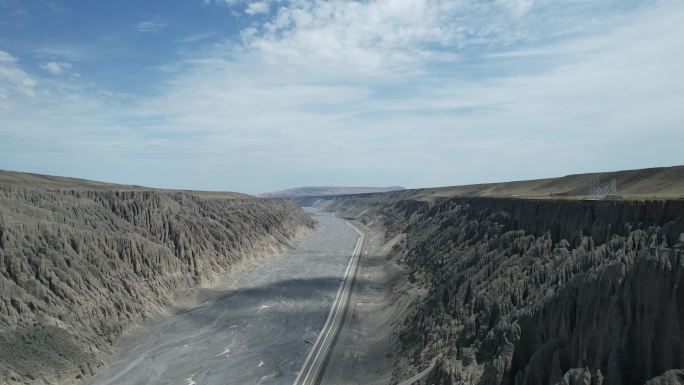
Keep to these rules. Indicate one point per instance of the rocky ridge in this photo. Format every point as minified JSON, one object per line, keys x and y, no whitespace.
{"x":78,"y":267}
{"x":522,"y":291}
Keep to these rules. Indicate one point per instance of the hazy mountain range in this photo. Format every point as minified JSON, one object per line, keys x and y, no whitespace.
{"x":327,"y":190}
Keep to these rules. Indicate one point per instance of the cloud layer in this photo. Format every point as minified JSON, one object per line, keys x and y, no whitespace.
{"x":154,"y":24}
{"x":13,"y":80}
{"x":378,"y":92}
{"x":56,"y":67}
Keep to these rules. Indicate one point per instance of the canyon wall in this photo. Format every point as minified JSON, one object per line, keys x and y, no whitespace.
{"x":532,"y":292}
{"x":80,"y":266}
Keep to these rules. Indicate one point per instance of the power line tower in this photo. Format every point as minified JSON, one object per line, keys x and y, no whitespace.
{"x":598,"y":190}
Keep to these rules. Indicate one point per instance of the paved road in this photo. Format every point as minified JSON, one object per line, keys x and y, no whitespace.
{"x":314,"y":367}
{"x":257,"y":330}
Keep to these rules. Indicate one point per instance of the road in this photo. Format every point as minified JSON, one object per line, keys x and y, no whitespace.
{"x":314,"y":367}
{"x":256,"y":328}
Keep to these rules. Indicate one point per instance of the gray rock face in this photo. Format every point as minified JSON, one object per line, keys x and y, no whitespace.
{"x":671,"y":377}
{"x":531,"y":292}
{"x":580,"y":376}
{"x":78,"y":267}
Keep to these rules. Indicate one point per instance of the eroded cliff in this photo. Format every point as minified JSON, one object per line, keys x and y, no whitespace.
{"x":523,"y":291}
{"x":78,"y":267}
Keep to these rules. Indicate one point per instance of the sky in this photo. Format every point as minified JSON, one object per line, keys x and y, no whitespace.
{"x":257,"y":96}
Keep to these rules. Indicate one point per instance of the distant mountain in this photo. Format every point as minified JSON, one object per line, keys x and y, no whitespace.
{"x":327,"y":190}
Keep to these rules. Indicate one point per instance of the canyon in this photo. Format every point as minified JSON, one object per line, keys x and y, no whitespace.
{"x":529,"y":291}
{"x":517,"y":283}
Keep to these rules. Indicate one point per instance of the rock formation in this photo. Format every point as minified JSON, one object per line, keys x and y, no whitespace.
{"x":78,"y":267}
{"x":536,"y":292}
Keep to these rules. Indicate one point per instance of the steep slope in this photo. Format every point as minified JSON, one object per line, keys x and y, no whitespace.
{"x":522,"y":291}
{"x":78,"y":267}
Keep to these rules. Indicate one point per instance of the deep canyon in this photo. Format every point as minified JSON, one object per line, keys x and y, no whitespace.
{"x":466,"y":285}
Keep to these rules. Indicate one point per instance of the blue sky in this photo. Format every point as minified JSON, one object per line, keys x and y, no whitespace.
{"x":256,"y":96}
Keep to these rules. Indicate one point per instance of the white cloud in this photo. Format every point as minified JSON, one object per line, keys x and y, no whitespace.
{"x":154,"y":24}
{"x":13,"y":79}
{"x":55,"y":67}
{"x":355,"y":37}
{"x":390,"y":37}
{"x":257,"y":7}
{"x":6,"y":57}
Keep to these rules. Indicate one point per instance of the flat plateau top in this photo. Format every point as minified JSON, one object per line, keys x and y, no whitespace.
{"x":50,"y":182}
{"x":642,"y":184}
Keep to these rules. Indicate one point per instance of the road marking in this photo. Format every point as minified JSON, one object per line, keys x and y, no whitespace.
{"x":314,"y":366}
